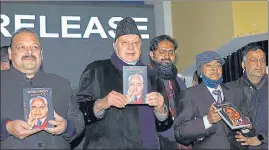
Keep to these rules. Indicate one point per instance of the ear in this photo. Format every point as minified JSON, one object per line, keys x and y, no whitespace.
{"x":115,"y":47}
{"x":151,"y":55}
{"x":243,"y":65}
{"x":9,"y":53}
{"x":41,"y":54}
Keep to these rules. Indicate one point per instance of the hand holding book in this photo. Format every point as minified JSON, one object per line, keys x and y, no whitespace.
{"x":156,"y":100}
{"x":31,"y":120}
{"x":213,"y":115}
{"x":60,"y":125}
{"x":20,"y":129}
{"x":232,"y":116}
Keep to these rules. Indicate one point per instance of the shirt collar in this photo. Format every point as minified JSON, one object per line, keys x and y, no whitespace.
{"x":212,"y":89}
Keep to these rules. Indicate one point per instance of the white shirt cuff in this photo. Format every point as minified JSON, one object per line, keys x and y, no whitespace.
{"x":164,"y":116}
{"x":99,"y":114}
{"x":206,"y":123}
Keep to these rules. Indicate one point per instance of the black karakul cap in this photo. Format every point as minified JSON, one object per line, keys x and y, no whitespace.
{"x":126,"y":26}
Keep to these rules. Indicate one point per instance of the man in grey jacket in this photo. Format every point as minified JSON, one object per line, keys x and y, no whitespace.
{"x":25,"y":53}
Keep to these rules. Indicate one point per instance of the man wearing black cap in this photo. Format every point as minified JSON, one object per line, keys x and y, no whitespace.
{"x":198,"y":123}
{"x":111,"y":123}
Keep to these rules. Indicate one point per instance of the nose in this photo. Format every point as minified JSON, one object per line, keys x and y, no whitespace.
{"x":259,"y":63}
{"x":166,"y":55}
{"x":28,"y":50}
{"x":37,"y":111}
{"x":214,"y":69}
{"x":130,"y":46}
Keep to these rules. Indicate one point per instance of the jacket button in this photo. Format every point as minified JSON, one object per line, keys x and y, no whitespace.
{"x":89,"y":120}
{"x":40,"y":144}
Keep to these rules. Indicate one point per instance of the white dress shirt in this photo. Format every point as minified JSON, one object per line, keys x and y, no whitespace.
{"x":206,"y":122}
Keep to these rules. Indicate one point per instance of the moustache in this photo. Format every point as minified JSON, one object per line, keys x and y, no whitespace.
{"x":28,"y":56}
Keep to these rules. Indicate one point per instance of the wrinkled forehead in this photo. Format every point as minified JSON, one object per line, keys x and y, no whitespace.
{"x":38,"y":101}
{"x":135,"y":79}
{"x":256,"y":53}
{"x":129,"y":37}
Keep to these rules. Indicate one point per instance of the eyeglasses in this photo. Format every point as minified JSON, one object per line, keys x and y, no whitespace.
{"x":169,"y":52}
{"x":255,"y":60}
{"x":23,"y":48}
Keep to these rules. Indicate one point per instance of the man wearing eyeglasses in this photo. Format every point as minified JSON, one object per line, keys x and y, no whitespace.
{"x":254,"y":83}
{"x":25,"y":53}
{"x":162,"y":57}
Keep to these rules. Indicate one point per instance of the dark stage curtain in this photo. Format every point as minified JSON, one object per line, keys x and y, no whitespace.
{"x":232,"y":69}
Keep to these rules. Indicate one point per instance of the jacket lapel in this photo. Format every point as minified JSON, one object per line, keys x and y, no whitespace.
{"x":226,"y":93}
{"x":206,"y":94}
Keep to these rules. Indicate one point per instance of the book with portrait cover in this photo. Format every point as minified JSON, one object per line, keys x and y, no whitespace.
{"x":231,"y":115}
{"x":38,"y":107}
{"x":135,"y":84}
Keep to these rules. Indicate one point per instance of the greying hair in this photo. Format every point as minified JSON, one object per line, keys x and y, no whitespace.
{"x":136,"y":75}
{"x":4,"y":54}
{"x":250,"y":47}
{"x":39,"y":97}
{"x":28,"y":30}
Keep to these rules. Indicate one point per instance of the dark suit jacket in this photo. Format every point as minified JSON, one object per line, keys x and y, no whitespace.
{"x":194,"y":104}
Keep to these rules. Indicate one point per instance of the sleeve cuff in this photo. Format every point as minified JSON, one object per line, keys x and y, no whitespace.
{"x":206,"y":123}
{"x":162,"y":116}
{"x":70,"y":130}
{"x":99,"y":114}
{"x":4,"y":132}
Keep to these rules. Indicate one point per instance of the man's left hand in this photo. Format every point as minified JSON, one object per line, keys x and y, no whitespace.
{"x":156,"y":100}
{"x":253,"y":141}
{"x":60,"y":125}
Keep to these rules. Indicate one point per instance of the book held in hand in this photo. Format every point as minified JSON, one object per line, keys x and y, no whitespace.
{"x":135,"y":84}
{"x":38,"y":108}
{"x":231,"y":115}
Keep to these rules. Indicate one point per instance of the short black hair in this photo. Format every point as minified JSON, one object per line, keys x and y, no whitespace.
{"x":250,"y":47}
{"x":4,"y":54}
{"x":155,"y":41}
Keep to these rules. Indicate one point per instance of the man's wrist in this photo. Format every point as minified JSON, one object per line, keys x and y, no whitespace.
{"x":262,"y":138}
{"x":160,"y":109}
{"x":99,"y":105}
{"x":4,"y":132}
{"x":7,"y":121}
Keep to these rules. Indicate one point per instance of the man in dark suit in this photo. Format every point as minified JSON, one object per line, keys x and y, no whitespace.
{"x":197,"y":122}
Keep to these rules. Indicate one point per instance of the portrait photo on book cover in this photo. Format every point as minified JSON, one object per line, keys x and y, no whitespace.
{"x":38,"y":108}
{"x":135,"y":84}
{"x":232,"y":116}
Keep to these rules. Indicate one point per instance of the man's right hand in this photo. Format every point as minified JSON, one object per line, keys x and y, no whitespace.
{"x":112,"y":99}
{"x":20,"y":129}
{"x":213,"y":116}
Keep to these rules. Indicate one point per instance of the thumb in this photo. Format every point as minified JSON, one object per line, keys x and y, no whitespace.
{"x":24,"y":125}
{"x":211,"y":107}
{"x":57,"y":117}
